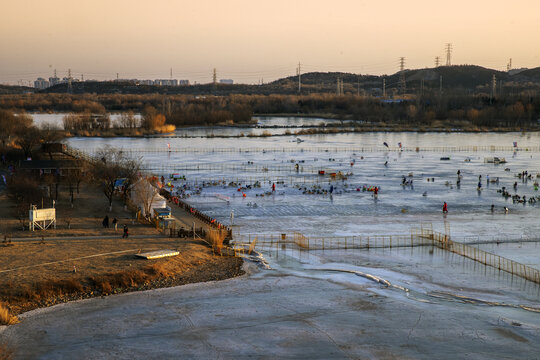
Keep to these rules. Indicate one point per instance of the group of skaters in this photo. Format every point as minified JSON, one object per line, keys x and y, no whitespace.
{"x":516,"y":198}
{"x":105,"y":224}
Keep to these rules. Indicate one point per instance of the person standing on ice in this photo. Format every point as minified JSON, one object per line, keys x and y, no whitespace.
{"x":445,"y":208}
{"x":273,"y":187}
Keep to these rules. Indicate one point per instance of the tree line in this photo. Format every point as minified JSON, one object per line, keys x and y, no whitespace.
{"x":483,"y":109}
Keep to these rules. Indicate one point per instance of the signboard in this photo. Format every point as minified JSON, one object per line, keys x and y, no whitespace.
{"x":41,"y":218}
{"x":43,"y":214}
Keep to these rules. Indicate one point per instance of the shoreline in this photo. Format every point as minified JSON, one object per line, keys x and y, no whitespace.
{"x":150,"y":277}
{"x":304,"y":131}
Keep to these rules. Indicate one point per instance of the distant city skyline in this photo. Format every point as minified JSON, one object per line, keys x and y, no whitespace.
{"x":251,"y":41}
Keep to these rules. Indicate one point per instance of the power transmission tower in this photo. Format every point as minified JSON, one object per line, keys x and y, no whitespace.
{"x":299,"y":73}
{"x":171,"y":74}
{"x":437,"y":61}
{"x":448,"y":54}
{"x":214,"y":78}
{"x":402,"y":83}
{"x":70,"y":88}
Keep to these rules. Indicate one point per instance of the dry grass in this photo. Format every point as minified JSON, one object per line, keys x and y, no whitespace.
{"x":46,"y":285}
{"x":216,"y":238}
{"x":130,"y":278}
{"x":6,"y":318}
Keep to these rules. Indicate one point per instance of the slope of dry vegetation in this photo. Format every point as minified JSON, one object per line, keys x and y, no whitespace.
{"x":67,"y":275}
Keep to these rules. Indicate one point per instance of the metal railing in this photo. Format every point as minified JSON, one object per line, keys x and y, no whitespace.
{"x":422,"y":236}
{"x":323,"y":149}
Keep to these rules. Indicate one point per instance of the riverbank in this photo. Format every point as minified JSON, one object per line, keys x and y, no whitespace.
{"x":41,"y":274}
{"x":436,"y":127}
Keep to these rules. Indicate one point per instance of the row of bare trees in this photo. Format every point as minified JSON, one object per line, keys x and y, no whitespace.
{"x":481,"y":108}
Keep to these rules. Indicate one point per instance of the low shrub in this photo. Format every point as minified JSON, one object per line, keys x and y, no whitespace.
{"x":6,"y":319}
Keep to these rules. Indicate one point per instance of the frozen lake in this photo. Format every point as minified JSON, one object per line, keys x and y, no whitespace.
{"x":326,"y":304}
{"x":302,"y":201}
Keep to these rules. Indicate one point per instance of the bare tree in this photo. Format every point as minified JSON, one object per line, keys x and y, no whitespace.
{"x":27,"y":139}
{"x":112,"y":165}
{"x":144,"y":193}
{"x":68,"y":218}
{"x":12,"y":125}
{"x":25,"y":191}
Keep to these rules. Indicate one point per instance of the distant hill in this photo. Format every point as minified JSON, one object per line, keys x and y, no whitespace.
{"x":459,"y":78}
{"x":9,"y":89}
{"x":529,"y":75}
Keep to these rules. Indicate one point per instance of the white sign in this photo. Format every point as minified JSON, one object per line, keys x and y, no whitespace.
{"x":43,"y":214}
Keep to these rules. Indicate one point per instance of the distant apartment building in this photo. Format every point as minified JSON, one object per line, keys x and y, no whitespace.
{"x":54,"y":80}
{"x":41,"y":83}
{"x":145,"y":82}
{"x":226,"y":81}
{"x":183,"y":82}
{"x":166,"y":82}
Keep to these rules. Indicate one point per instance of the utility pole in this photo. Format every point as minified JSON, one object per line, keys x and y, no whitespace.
{"x":384,"y":88}
{"x":402,"y":84}
{"x":448,"y":54}
{"x":299,"y":73}
{"x":437,"y":61}
{"x":214,"y":78}
{"x":493,"y":86}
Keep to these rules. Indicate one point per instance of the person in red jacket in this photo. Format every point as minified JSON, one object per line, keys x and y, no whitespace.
{"x":445,"y":208}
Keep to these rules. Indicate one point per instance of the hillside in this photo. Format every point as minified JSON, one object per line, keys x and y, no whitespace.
{"x":9,"y":89}
{"x":459,"y":78}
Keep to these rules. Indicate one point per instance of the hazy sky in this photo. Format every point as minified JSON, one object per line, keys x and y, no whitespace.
{"x":247,"y":40}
